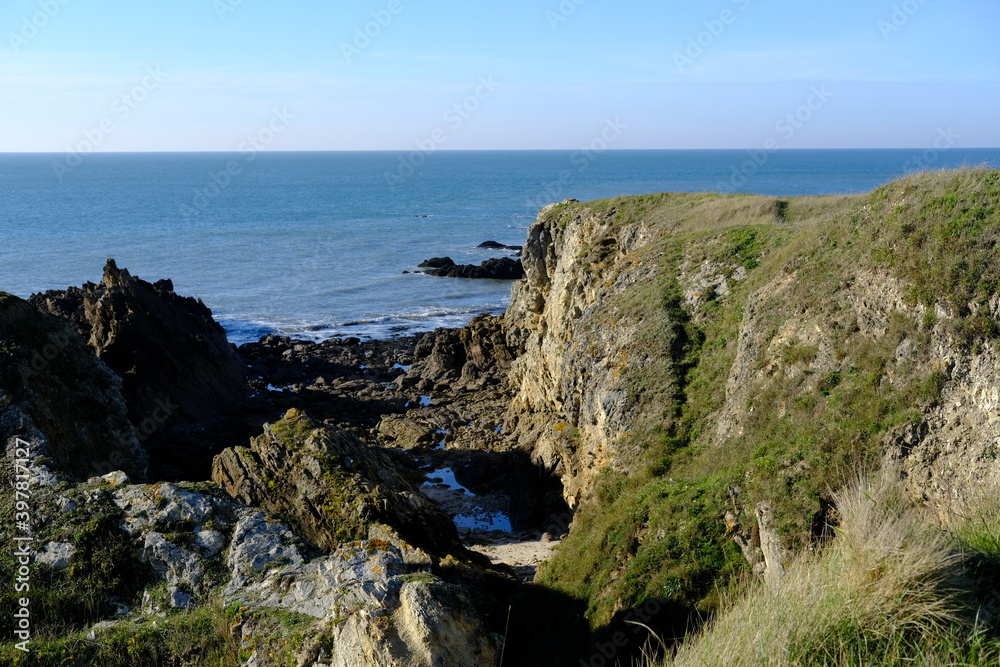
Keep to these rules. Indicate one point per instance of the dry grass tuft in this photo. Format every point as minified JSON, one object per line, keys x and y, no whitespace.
{"x":879,"y":594}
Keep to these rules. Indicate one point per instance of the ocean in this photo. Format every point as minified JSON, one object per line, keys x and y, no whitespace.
{"x":315,"y":245}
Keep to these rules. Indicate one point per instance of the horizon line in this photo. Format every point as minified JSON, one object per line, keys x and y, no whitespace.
{"x":494,"y":150}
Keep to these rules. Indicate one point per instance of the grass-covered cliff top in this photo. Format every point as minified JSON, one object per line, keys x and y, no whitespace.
{"x":826,"y":343}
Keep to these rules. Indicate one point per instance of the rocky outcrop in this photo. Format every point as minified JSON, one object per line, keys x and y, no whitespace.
{"x":949,"y":458}
{"x":502,"y":268}
{"x":179,"y":372}
{"x":57,"y":397}
{"x":340,"y":381}
{"x":569,"y":406}
{"x":422,"y":621}
{"x":469,"y":359}
{"x":168,"y":548}
{"x":330,"y":486}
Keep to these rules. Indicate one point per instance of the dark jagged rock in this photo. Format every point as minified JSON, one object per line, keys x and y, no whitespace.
{"x":494,"y":245}
{"x":502,"y":268}
{"x":56,"y":395}
{"x":436,"y":263}
{"x":342,"y":380}
{"x":330,"y":486}
{"x":470,"y":358}
{"x":179,"y":372}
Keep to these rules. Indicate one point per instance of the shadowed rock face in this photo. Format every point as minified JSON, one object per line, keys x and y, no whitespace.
{"x":330,"y":486}
{"x":55,"y":394}
{"x":179,"y":373}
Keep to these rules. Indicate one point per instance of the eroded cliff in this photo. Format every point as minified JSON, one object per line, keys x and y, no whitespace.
{"x":691,"y":363}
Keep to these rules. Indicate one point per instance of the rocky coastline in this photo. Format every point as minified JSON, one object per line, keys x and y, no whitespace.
{"x":662,"y":411}
{"x":389,"y":449}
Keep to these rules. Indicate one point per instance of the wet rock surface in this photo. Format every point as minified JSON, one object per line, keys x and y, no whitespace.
{"x":501,"y":268}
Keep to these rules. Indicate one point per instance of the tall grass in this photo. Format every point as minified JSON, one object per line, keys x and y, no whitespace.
{"x":885,"y":591}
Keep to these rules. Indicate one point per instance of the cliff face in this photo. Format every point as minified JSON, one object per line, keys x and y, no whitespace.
{"x":691,"y":363}
{"x":570,"y":406}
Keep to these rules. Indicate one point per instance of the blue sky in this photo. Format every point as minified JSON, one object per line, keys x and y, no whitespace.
{"x":524,"y":74}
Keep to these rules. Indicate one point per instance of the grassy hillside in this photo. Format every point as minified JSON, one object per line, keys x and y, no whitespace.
{"x":819,"y":396}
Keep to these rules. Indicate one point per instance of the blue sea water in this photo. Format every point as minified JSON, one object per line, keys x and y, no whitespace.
{"x":315,"y":245}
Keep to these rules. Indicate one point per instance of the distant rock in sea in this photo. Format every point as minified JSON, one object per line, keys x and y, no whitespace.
{"x":494,"y":245}
{"x":503,"y":268}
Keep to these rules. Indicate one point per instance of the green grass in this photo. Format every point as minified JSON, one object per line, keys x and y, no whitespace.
{"x":203,"y":637}
{"x":103,"y":566}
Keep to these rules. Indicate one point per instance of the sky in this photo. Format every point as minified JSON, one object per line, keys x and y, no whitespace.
{"x":210,"y":75}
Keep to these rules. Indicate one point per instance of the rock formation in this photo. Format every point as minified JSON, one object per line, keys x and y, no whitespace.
{"x":494,"y":245}
{"x":471,"y":358}
{"x":179,"y":373}
{"x":57,"y":396}
{"x":570,"y":405}
{"x":332,"y":487}
{"x":161,"y":549}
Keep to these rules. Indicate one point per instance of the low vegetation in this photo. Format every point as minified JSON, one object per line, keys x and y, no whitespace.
{"x":209,"y":635}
